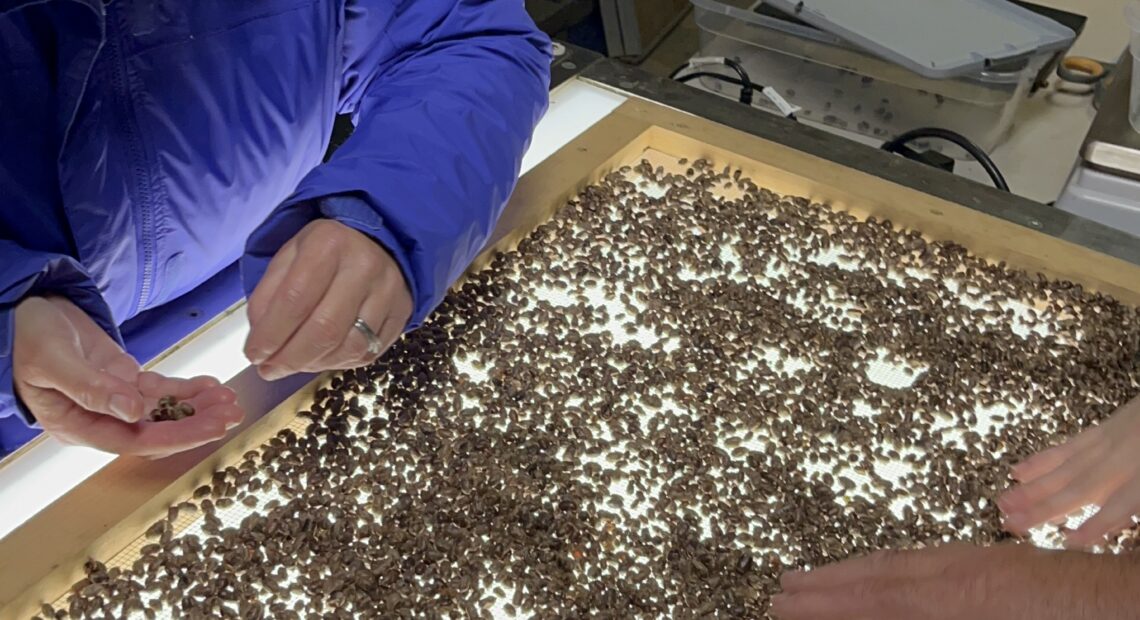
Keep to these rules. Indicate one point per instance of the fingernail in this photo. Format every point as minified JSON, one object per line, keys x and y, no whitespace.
{"x":1014,"y":521}
{"x":258,"y":356}
{"x":271,"y":373}
{"x":121,"y":407}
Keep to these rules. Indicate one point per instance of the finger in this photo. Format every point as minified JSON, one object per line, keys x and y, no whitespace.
{"x":155,"y":385}
{"x":887,"y":564}
{"x":394,"y":306}
{"x":299,"y":293}
{"x":163,"y":438}
{"x":1112,"y":518}
{"x":1078,"y":483}
{"x":274,"y":274}
{"x":386,"y":311}
{"x":203,"y":393}
{"x":106,"y":355}
{"x":83,"y":384}
{"x":217,"y":395}
{"x":387,"y":335}
{"x":392,"y":330}
{"x":353,"y":350}
{"x":99,"y":349}
{"x":143,"y":438}
{"x":122,"y":366}
{"x":351,"y":353}
{"x":217,"y":404}
{"x":1023,"y":496}
{"x":326,"y":329}
{"x":1047,"y":460}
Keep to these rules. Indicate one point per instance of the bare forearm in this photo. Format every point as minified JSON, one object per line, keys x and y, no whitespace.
{"x":955,"y":581}
{"x":1085,"y":586}
{"x":1115,"y":587}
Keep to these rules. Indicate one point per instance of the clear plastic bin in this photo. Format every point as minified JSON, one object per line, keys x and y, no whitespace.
{"x":1132,"y":12}
{"x":843,"y":86}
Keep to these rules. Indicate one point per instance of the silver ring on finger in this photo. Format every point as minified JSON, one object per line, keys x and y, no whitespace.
{"x":375,"y":347}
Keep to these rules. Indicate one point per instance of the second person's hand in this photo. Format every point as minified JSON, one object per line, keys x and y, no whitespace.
{"x":303,"y":311}
{"x":1100,"y":466}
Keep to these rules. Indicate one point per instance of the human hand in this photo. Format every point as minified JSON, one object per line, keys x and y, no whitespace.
{"x":1100,"y":466}
{"x":1008,"y":582}
{"x":302,"y":312}
{"x":84,"y":390}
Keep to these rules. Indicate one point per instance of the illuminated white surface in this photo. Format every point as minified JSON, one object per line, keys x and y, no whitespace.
{"x":217,"y":352}
{"x":40,"y":476}
{"x":50,"y":469}
{"x":574,"y":107}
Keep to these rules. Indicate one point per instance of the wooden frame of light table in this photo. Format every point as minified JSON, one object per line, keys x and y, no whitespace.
{"x":107,"y":513}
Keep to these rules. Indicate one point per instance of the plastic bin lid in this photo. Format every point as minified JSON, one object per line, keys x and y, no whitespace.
{"x":935,"y":38}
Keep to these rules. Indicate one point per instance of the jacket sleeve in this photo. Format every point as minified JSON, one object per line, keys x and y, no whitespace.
{"x":445,"y":95}
{"x":26,"y":272}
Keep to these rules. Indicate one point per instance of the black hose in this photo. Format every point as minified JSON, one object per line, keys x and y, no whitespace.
{"x":709,"y":74}
{"x":747,"y":88}
{"x":894,"y":146}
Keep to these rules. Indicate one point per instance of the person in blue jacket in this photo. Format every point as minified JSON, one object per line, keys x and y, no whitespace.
{"x":147,"y":144}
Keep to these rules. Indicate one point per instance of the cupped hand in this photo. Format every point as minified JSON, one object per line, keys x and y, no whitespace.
{"x":84,"y":390}
{"x":952,"y":582}
{"x":303,"y":311}
{"x":1100,"y":466}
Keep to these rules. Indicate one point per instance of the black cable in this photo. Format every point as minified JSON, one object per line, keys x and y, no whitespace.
{"x":747,"y":87}
{"x":725,"y":78}
{"x":709,"y":74}
{"x":898,"y":143}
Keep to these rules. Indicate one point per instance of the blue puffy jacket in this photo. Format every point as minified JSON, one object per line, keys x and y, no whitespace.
{"x":147,"y":144}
